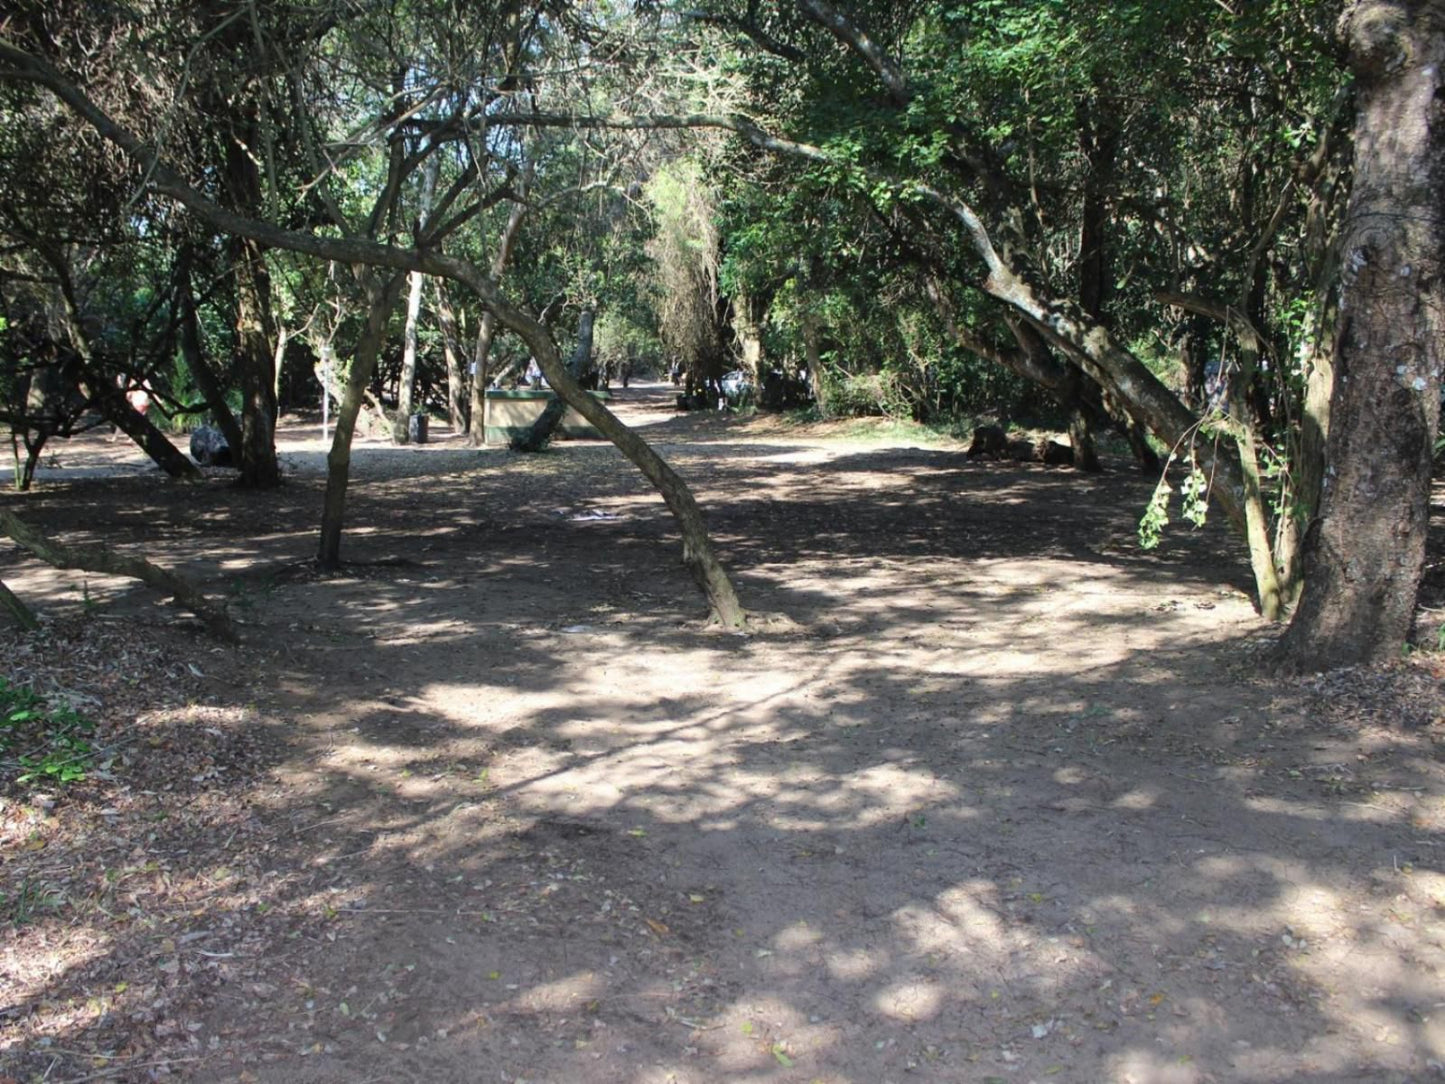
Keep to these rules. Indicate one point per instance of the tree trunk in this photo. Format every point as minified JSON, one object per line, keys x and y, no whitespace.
{"x":481,"y":379}
{"x":256,"y":456}
{"x":200,"y":366}
{"x":381,"y":296}
{"x":1365,"y":552}
{"x":451,"y":351}
{"x":505,"y":245}
{"x":406,"y":387}
{"x":697,"y":552}
{"x":283,"y":336}
{"x":813,"y":353}
{"x":750,"y":339}
{"x":537,"y":438}
{"x":100,"y":558}
{"x":18,"y":610}
{"x":1066,"y":382}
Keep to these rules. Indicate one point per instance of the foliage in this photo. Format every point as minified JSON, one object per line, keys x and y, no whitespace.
{"x":42,"y":742}
{"x":684,"y":252}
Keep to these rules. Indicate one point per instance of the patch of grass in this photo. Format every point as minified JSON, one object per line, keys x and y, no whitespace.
{"x":42,"y":743}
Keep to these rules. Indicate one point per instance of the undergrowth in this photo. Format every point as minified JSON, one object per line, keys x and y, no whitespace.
{"x":40,"y":742}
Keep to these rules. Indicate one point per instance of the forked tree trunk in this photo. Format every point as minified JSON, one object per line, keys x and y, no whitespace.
{"x":1365,"y":552}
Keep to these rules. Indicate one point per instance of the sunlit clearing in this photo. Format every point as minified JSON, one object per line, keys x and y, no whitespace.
{"x":911,"y":999}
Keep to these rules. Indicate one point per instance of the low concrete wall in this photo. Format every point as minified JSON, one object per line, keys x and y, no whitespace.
{"x":512,"y":413}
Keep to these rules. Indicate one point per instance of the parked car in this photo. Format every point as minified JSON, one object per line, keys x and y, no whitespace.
{"x":737,"y":386}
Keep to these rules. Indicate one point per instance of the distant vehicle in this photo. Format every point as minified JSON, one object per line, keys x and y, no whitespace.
{"x":736,"y":385}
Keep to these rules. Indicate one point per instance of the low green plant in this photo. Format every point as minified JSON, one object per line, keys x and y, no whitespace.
{"x":42,"y":742}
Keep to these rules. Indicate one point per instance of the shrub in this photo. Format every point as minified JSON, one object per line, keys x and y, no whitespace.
{"x":42,"y":742}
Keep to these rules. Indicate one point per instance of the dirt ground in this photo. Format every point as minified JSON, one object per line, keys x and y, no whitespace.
{"x":991,"y":796}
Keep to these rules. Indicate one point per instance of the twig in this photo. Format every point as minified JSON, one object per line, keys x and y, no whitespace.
{"x":113,"y":1070}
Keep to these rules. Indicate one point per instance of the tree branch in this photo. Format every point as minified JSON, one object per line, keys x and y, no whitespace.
{"x":106,"y":560}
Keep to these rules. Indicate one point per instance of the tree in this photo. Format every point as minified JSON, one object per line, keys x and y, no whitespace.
{"x":684,"y":253}
{"x":161,"y":178}
{"x":1365,"y":552}
{"x":961,"y":133}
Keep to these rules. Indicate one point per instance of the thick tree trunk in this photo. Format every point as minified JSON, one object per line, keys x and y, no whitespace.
{"x":255,"y":368}
{"x":750,"y":339}
{"x":1365,"y":552}
{"x":813,"y":354}
{"x":99,"y":558}
{"x":381,"y":296}
{"x":406,"y":386}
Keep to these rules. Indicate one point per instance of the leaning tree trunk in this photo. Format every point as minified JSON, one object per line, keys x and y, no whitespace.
{"x":1365,"y":552}
{"x":101,"y":558}
{"x":538,"y":437}
{"x":381,"y":296}
{"x":697,"y":552}
{"x":22,"y":613}
{"x":200,"y":367}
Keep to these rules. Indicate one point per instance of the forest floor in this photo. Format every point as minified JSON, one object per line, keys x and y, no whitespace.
{"x":990,"y":794}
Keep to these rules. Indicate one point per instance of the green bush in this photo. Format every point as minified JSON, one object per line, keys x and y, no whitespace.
{"x":861,"y":395}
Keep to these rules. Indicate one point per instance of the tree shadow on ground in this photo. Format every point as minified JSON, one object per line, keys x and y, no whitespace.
{"x":1007,"y":804}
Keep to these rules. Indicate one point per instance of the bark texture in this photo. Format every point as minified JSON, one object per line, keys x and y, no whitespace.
{"x":1365,"y":552}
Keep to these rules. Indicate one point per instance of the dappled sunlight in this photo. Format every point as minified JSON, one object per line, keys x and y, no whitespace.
{"x":990,"y":805}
